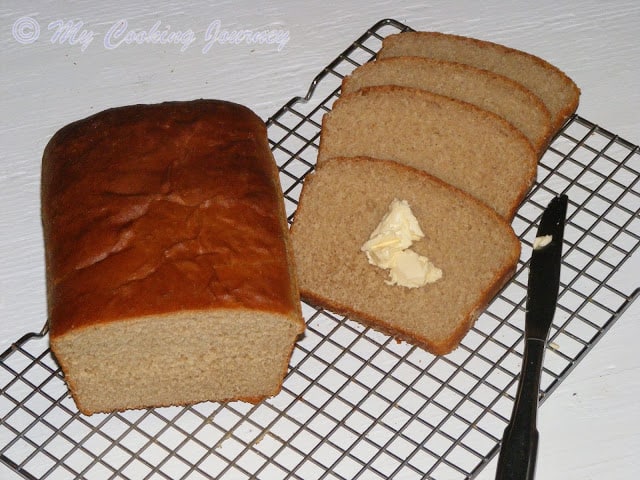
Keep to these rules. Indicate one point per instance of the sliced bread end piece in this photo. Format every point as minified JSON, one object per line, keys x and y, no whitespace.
{"x":558,"y":92}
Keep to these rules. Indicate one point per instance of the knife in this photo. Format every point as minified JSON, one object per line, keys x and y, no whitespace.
{"x":517,"y":460}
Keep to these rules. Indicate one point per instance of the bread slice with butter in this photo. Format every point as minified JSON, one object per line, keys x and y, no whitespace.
{"x":341,"y":205}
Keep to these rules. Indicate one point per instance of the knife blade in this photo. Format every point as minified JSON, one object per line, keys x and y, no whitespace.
{"x":519,"y":448}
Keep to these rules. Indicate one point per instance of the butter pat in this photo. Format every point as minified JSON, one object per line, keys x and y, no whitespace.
{"x":396,"y":232}
{"x":388,"y":248}
{"x":542,"y":241}
{"x":412,"y":270}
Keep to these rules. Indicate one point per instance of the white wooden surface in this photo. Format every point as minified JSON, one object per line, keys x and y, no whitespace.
{"x":590,"y":426}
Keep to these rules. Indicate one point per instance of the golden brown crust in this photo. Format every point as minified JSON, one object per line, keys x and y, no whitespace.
{"x":149,"y":209}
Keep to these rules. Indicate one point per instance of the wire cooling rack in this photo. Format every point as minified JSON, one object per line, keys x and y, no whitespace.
{"x":356,"y":403}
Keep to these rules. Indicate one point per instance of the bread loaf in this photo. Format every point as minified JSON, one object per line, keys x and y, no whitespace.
{"x":472,"y":149}
{"x":169,"y":269}
{"x":484,"y":89}
{"x":556,"y":90}
{"x":341,"y":204}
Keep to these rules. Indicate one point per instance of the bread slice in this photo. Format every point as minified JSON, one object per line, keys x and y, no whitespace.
{"x":472,"y":149}
{"x":484,"y":89}
{"x":341,"y":204}
{"x":169,"y":267}
{"x":556,"y":90}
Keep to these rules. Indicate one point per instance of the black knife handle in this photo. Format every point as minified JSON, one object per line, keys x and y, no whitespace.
{"x":517,"y":460}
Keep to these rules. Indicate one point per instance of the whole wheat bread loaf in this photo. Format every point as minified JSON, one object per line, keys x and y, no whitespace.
{"x":470,"y":148}
{"x":556,"y":90}
{"x":341,"y":204}
{"x":169,"y":269}
{"x":484,"y":89}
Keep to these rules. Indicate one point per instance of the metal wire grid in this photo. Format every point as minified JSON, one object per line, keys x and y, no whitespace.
{"x":356,"y":403}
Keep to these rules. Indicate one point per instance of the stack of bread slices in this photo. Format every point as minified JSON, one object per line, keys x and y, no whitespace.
{"x":453,"y":126}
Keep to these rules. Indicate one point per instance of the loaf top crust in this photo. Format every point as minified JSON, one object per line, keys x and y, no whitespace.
{"x":153,"y":209}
